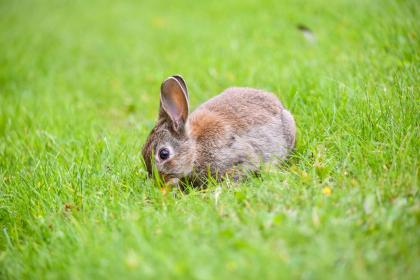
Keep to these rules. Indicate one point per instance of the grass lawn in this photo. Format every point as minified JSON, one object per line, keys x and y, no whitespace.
{"x":79,"y":92}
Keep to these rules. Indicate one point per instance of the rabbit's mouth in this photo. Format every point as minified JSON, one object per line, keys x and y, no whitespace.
{"x":170,"y":179}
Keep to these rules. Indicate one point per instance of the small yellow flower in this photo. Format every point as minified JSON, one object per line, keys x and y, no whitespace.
{"x":132,"y":260}
{"x":326,"y":191}
{"x":158,"y":22}
{"x":164,"y":190}
{"x":231,"y":266}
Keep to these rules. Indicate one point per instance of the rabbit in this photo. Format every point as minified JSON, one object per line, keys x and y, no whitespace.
{"x":231,"y":134}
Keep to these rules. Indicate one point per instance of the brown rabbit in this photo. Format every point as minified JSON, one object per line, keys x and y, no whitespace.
{"x":230,"y":134}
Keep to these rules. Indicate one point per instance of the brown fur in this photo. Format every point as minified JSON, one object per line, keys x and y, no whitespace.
{"x":230,"y":134}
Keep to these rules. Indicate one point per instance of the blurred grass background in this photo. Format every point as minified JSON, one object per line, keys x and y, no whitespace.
{"x":79,"y":87}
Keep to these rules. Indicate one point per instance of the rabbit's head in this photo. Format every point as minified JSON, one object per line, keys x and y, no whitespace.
{"x":168,"y":149}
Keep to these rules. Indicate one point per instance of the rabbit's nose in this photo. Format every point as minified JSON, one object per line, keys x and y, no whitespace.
{"x":170,"y":180}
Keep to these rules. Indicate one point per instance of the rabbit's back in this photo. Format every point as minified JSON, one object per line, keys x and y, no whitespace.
{"x":244,"y":106}
{"x":241,"y":126}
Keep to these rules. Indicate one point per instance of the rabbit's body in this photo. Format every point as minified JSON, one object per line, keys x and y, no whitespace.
{"x":232,"y":139}
{"x":230,"y":134}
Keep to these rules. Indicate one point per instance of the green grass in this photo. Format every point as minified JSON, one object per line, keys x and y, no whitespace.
{"x":79,"y":87}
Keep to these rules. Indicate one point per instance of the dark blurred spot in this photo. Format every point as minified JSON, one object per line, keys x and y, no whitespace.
{"x":303,"y":28}
{"x":131,"y":108}
{"x":308,"y":34}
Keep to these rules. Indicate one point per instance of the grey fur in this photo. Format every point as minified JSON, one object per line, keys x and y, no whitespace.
{"x":230,"y":134}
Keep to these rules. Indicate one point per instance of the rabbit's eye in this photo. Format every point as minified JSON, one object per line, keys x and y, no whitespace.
{"x":164,"y":153}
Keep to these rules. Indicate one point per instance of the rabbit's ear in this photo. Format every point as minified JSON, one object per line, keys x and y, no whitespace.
{"x":183,"y":84}
{"x":174,"y":102}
